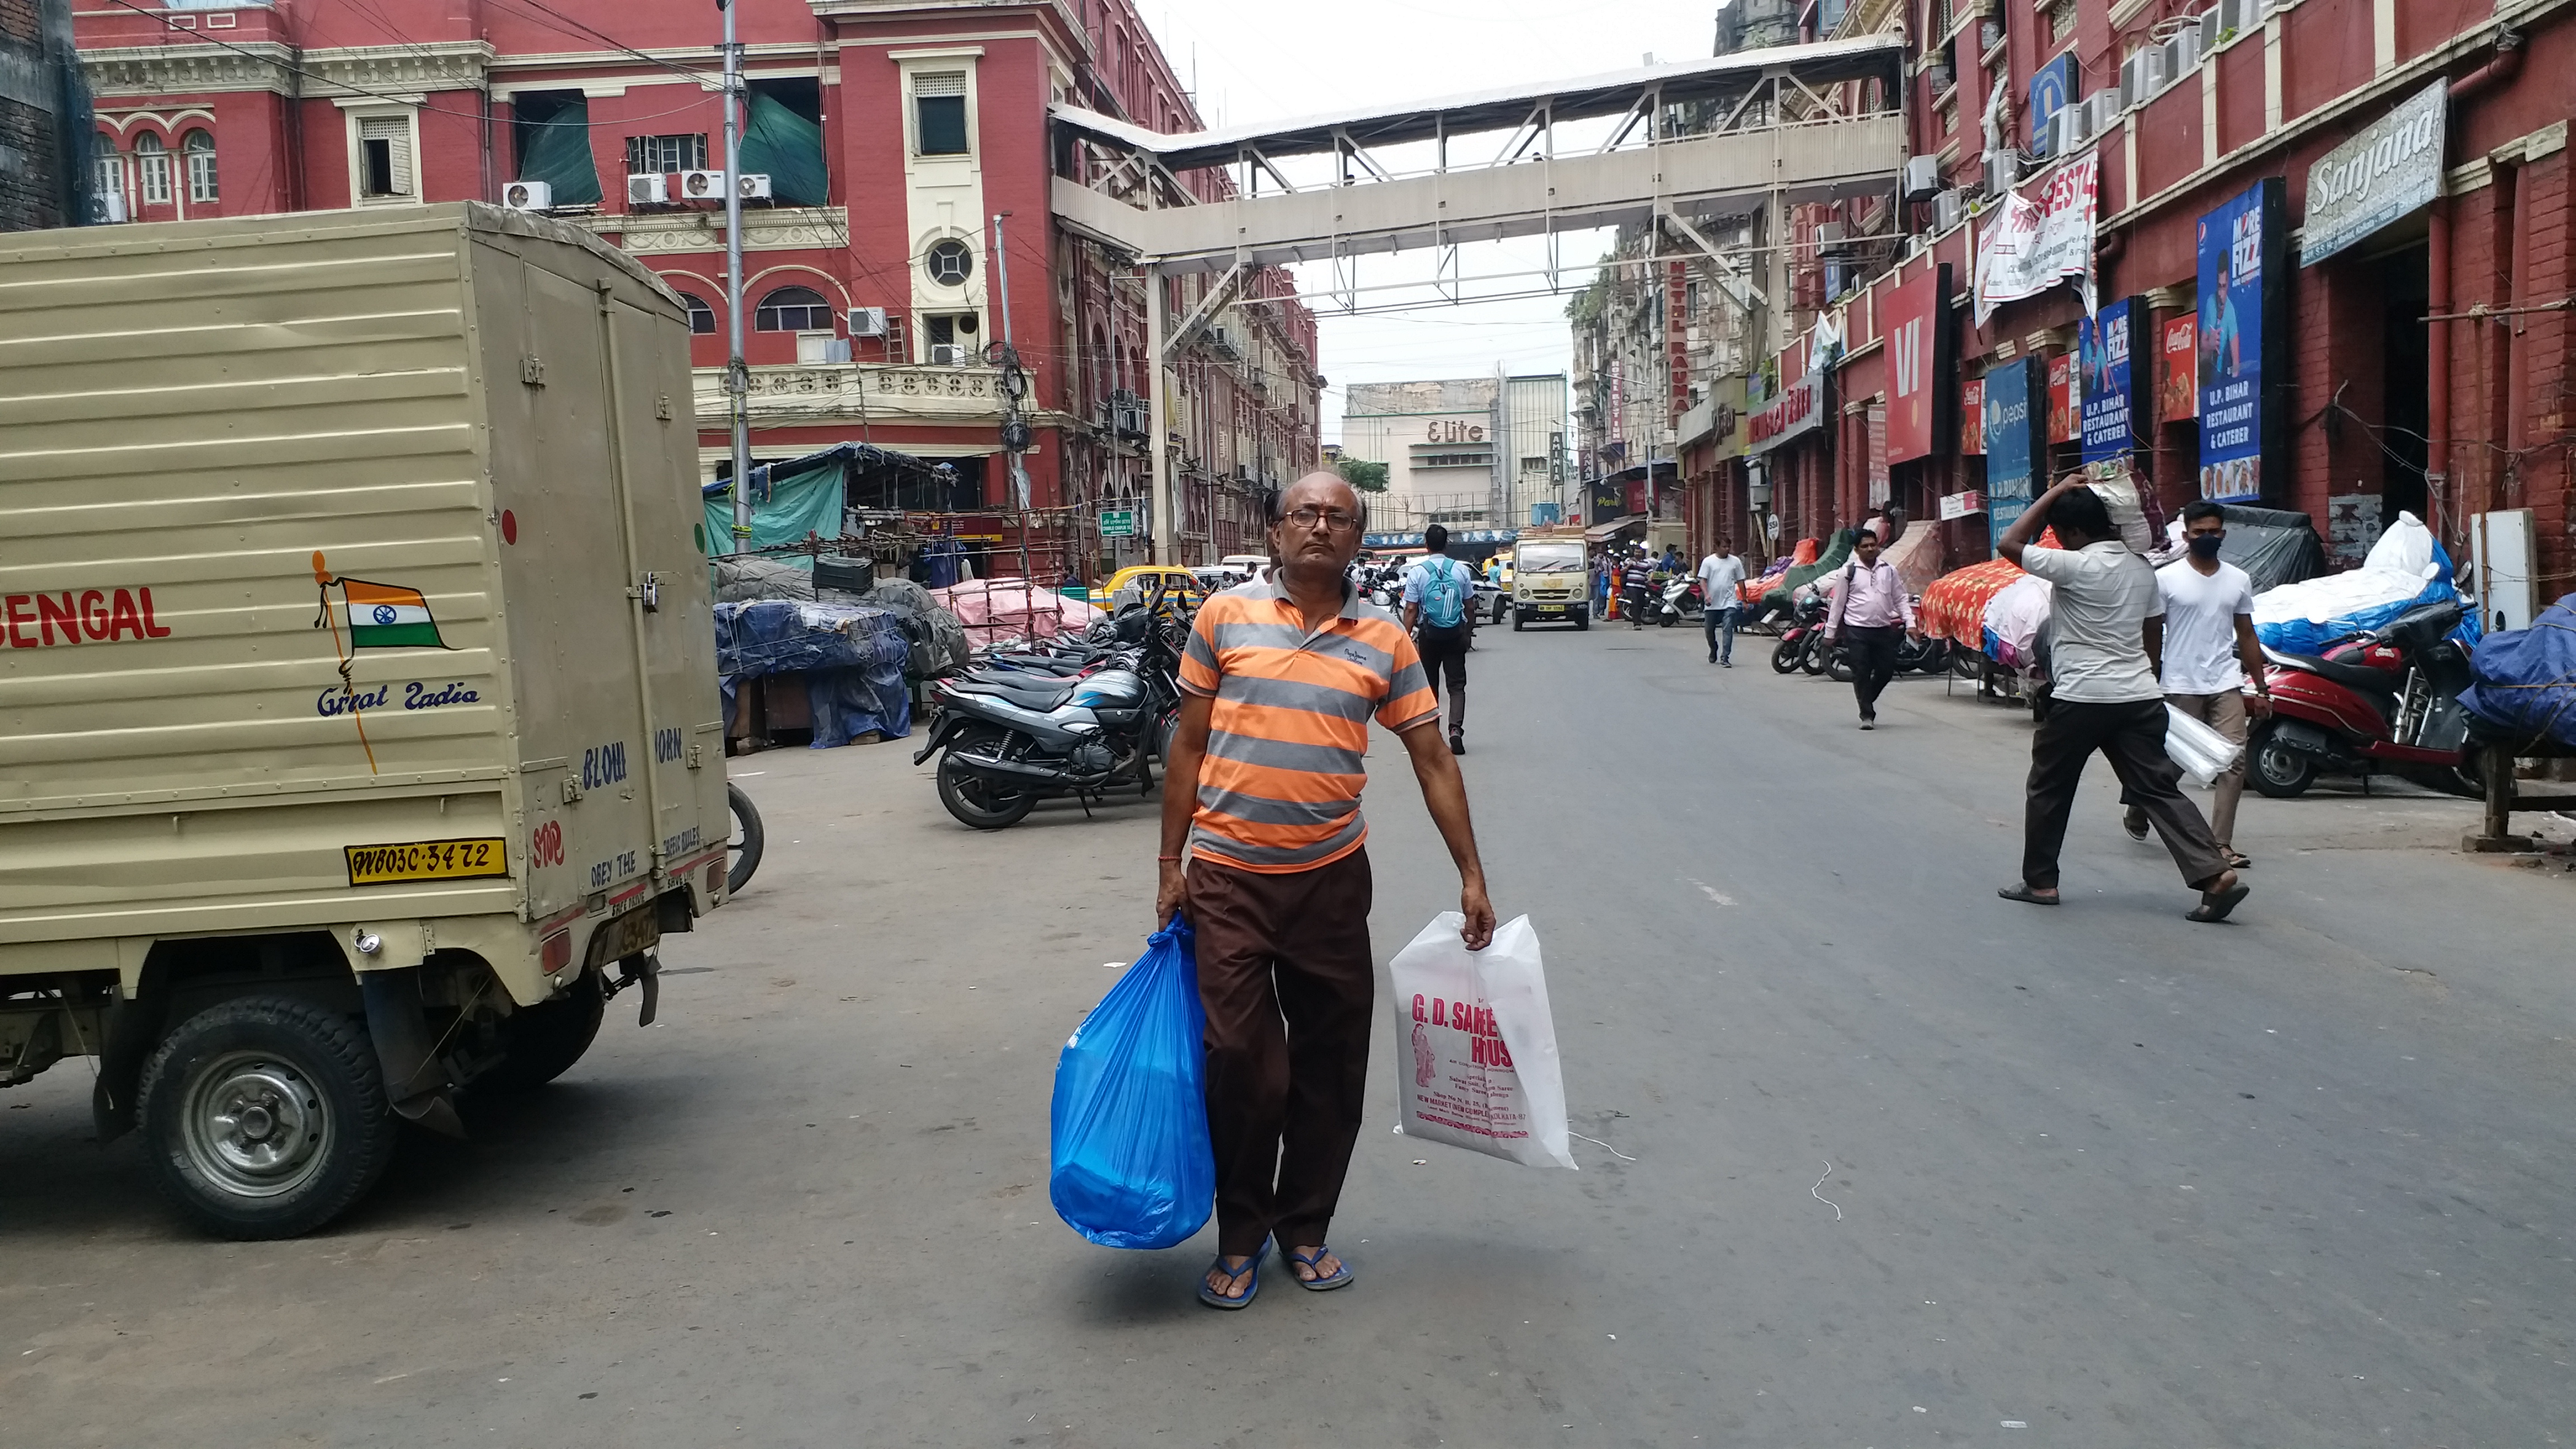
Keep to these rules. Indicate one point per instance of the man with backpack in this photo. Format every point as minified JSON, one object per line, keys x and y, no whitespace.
{"x":1436,"y":596}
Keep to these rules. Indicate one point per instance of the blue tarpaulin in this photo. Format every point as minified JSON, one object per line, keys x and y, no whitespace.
{"x":2525,"y":688}
{"x":852,"y":659}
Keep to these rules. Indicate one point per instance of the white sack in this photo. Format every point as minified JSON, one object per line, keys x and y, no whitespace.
{"x":1478,"y":1065}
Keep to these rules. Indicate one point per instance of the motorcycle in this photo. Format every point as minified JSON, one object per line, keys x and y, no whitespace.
{"x":1925,"y":655}
{"x":2387,"y":701}
{"x":1802,"y":638}
{"x":1012,"y":738}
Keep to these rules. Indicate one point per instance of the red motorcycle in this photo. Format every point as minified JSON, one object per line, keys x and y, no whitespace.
{"x":2381,"y":702}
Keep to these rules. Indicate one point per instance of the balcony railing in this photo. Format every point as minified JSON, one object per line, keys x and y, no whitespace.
{"x":875,"y":392}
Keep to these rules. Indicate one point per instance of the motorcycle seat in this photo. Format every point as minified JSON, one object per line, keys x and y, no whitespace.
{"x":1031,"y":691}
{"x":2351,"y":676}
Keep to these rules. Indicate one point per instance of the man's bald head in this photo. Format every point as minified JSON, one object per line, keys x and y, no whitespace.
{"x":1331,"y":539}
{"x":1322,"y":489}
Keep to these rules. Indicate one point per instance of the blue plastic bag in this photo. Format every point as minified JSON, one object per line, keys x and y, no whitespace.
{"x":1130,"y":1165}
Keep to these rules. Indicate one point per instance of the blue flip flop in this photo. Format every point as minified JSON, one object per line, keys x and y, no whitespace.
{"x":1214,"y":1299}
{"x":1340,"y":1279}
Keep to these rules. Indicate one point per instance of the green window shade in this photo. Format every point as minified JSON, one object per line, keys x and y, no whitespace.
{"x":558,"y":154}
{"x":788,"y":148}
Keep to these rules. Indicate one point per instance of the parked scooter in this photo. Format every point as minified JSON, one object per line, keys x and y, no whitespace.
{"x":1013,"y":738}
{"x":1669,"y":601}
{"x":2382,"y":702}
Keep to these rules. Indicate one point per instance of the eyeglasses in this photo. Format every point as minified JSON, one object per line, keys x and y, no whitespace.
{"x":1332,"y":518}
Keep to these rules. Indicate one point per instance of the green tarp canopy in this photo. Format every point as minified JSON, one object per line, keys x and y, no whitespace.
{"x":795,"y":504}
{"x":558,"y":154}
{"x":786,"y":146}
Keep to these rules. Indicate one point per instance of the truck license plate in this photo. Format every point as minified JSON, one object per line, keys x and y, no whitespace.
{"x":638,"y":929}
{"x":425,"y":860}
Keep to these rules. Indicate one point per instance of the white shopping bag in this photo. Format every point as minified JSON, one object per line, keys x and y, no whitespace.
{"x":1477,"y":1066}
{"x":2203,"y":753}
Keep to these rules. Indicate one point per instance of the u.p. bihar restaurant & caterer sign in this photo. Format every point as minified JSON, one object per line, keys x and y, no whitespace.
{"x":1800,"y":408}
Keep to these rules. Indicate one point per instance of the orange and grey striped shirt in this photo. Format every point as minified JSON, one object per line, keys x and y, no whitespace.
{"x":1279,"y":788}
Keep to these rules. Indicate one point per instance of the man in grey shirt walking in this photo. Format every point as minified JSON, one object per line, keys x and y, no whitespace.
{"x":2103,"y":696}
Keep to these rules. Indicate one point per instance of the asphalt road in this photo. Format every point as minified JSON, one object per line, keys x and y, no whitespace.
{"x":1901,"y":1164}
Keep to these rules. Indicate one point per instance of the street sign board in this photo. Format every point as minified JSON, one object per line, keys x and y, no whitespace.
{"x":1118,"y":523}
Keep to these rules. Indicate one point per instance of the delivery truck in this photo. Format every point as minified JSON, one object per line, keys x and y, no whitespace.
{"x":359,"y":734}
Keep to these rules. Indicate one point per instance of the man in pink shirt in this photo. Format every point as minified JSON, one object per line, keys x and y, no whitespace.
{"x":1870,"y":606}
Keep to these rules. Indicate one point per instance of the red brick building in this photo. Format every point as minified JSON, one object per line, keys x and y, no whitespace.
{"x":892,"y":132}
{"x":2366,"y":406}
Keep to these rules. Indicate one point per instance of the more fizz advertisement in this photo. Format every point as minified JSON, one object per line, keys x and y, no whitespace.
{"x":2114,"y":408}
{"x":2240,"y":335}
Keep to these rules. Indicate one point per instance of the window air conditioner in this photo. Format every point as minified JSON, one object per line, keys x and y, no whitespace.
{"x":528,"y":196}
{"x":755,"y":185}
{"x":1922,"y":177}
{"x":702,"y":186}
{"x":1948,"y":209}
{"x":947,"y":354}
{"x":2101,"y":109}
{"x":2241,"y":15}
{"x":2181,"y":54}
{"x":652,"y":190}
{"x":2136,"y":80}
{"x":2002,"y":170}
{"x":867,"y":321}
{"x":2066,"y":133}
{"x":1833,"y":238}
{"x":2213,"y":23}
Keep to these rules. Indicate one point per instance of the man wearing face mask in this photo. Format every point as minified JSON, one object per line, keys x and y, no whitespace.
{"x":2212,"y":663}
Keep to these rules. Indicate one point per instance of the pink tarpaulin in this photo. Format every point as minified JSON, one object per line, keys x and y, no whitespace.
{"x":997,"y":609}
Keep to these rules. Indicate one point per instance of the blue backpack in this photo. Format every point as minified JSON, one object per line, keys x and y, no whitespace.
{"x":1444,"y":593}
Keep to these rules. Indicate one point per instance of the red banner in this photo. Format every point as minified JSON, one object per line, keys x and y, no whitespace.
{"x":2179,"y":396}
{"x":1972,"y":417}
{"x":1916,"y":372}
{"x":2064,"y":424}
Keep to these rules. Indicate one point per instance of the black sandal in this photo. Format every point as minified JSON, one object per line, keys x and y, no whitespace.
{"x":2214,"y":905}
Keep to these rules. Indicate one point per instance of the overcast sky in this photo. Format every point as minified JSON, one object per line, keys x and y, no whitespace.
{"x":1257,"y":63}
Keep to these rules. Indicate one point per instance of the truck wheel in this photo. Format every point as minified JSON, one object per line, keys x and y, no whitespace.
{"x":265,"y":1117}
{"x":1520,"y":621}
{"x":1582,"y":620}
{"x":743,"y":853}
{"x":543,"y":1041}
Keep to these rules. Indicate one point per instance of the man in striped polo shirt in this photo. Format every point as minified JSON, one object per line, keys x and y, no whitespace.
{"x":1281,"y":679}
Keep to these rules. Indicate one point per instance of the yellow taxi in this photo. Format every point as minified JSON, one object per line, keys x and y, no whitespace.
{"x":1136,"y":585}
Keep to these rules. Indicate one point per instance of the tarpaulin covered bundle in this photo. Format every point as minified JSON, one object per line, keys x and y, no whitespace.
{"x":1751,"y":590}
{"x":1801,"y":575}
{"x":852,"y":659}
{"x":2525,"y":686}
{"x":741,"y":580}
{"x":2407,"y":567}
{"x":939,"y":642}
{"x":998,"y":610}
{"x":2273,"y":545}
{"x":1129,"y":1164}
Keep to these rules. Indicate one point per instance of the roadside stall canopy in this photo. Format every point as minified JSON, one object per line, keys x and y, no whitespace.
{"x":802,"y":496}
{"x":1604,"y":532}
{"x":1954,"y":605}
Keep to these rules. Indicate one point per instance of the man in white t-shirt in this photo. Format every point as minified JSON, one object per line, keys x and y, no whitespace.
{"x":2212,"y":664}
{"x":2104,"y":614}
{"x":1719,"y":573}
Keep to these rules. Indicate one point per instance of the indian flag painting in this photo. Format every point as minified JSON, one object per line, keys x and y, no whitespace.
{"x":383,"y":616}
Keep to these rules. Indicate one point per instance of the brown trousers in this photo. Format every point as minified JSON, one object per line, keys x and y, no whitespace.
{"x":1289,"y":986}
{"x":2132,"y":737}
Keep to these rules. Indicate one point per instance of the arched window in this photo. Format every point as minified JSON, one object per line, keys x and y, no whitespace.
{"x":152,"y":159}
{"x":199,"y":146}
{"x":110,"y":179}
{"x":702,"y":318}
{"x":793,"y":309}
